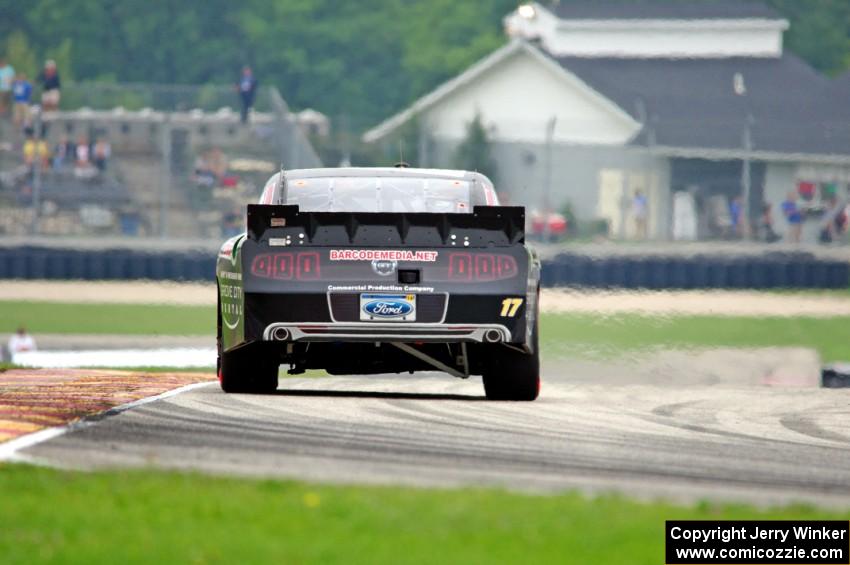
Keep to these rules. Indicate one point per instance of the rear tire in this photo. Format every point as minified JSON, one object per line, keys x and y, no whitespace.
{"x":240,"y":371}
{"x":245,"y":369}
{"x":512,"y":375}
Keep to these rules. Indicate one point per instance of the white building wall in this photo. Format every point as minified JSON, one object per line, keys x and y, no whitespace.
{"x":576,"y":176}
{"x":518,"y":98}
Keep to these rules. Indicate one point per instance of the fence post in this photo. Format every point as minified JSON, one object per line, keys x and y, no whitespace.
{"x":36,"y":176}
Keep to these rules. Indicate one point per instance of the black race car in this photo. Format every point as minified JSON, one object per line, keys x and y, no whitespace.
{"x":380,"y":270}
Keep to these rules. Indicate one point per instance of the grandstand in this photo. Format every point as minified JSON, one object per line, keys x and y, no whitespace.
{"x":181,"y":163}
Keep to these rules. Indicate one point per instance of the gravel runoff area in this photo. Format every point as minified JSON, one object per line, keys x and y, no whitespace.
{"x":714,"y":303}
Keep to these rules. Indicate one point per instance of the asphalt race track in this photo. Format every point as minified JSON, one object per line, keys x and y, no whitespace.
{"x":684,"y":441}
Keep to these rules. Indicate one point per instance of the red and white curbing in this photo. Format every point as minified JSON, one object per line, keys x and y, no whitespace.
{"x":9,"y":449}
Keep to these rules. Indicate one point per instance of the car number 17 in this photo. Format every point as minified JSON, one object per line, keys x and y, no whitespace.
{"x":510,"y":307}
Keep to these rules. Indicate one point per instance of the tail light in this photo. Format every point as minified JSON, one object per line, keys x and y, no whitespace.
{"x":285,"y":266}
{"x":308,"y":266}
{"x":481,"y":267}
{"x":460,"y":266}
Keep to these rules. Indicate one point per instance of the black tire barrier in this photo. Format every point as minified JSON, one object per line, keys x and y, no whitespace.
{"x":36,"y":263}
{"x":798,"y":274}
{"x":116,"y":265}
{"x":95,"y":266}
{"x":681,"y":274}
{"x":137,"y":269}
{"x":5,"y":264}
{"x":718,"y":273}
{"x":617,"y":272}
{"x":772,"y":270}
{"x":737,"y":273}
{"x":639,"y":274}
{"x":839,"y":275}
{"x":111,"y":264}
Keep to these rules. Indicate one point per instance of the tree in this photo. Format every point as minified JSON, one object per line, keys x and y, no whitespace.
{"x":20,"y":54}
{"x":473,"y":154}
{"x":366,"y":59}
{"x":819,"y":32}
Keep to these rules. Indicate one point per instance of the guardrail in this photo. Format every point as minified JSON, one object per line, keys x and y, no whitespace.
{"x":780,"y":270}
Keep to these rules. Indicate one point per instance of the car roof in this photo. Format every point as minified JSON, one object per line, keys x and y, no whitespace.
{"x":405,"y":172}
{"x":483,"y":186}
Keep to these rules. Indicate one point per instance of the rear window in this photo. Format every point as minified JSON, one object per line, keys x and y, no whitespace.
{"x":380,"y":194}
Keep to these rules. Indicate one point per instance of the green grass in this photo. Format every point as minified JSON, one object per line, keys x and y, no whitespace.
{"x":148,"y":516}
{"x":561,"y":334}
{"x":591,"y":335}
{"x":129,"y":319}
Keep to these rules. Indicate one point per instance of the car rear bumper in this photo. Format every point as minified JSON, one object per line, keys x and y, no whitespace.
{"x":386,"y":332}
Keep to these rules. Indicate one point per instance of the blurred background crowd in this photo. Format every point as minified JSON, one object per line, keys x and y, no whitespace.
{"x":738,"y":131}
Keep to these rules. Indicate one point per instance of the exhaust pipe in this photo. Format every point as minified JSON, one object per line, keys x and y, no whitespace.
{"x":280,"y":334}
{"x":492,"y":336}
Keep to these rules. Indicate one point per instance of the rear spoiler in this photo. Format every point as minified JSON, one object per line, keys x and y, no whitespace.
{"x":485,"y":226}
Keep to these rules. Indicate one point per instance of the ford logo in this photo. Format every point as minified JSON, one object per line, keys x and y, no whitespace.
{"x":387,"y":308}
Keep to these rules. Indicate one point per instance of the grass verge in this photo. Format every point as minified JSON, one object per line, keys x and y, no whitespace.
{"x":590,"y":335}
{"x":561,"y":334}
{"x":163,"y":517}
{"x":92,"y":318}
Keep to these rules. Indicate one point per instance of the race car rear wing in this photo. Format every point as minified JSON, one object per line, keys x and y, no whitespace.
{"x":485,"y":226}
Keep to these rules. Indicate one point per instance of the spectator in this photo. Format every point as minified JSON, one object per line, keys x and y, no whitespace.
{"x":21,"y":341}
{"x":83,"y":165}
{"x":247,"y":89}
{"x":35,"y":150}
{"x":61,"y":152}
{"x":232,"y":224}
{"x":766,"y":224}
{"x":21,"y":98}
{"x":835,"y":220}
{"x":203,"y":174}
{"x":217,"y":162}
{"x":43,"y":153}
{"x":102,"y":151}
{"x":794,"y":217}
{"x":7,"y":76}
{"x":83,"y":152}
{"x":736,"y":215}
{"x":640,"y":213}
{"x":29,"y":149}
{"x":50,"y":86}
